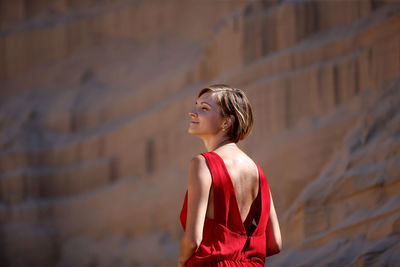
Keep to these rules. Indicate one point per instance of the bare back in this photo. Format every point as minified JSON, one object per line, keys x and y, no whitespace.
{"x":245,"y":179}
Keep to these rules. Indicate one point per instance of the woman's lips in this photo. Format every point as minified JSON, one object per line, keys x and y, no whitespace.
{"x":194,"y":122}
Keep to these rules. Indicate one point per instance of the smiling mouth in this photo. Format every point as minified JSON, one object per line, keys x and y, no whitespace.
{"x":194,"y":122}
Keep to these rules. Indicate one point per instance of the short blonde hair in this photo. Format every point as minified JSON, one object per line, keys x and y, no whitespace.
{"x":233,"y":101}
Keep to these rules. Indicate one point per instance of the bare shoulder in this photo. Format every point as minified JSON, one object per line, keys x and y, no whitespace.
{"x":198,"y":168}
{"x":197,"y":161}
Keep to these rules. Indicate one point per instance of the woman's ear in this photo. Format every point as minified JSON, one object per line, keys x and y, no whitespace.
{"x":228,"y":122}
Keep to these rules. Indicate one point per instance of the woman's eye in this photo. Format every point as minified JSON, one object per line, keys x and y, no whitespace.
{"x":204,"y":108}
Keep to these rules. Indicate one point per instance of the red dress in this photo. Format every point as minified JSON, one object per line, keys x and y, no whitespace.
{"x":227,"y":241}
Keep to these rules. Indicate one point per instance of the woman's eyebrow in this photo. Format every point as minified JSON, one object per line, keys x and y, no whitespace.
{"x":203,"y":102}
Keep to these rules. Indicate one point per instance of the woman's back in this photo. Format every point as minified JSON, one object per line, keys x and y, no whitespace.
{"x":244,"y":176}
{"x":227,"y":238}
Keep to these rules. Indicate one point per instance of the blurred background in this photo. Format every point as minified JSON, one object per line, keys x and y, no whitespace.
{"x":94,"y":149}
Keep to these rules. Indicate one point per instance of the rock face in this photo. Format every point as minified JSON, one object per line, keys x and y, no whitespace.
{"x":93,"y":125}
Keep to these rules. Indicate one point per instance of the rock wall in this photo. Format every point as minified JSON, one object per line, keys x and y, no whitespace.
{"x":94,"y":145}
{"x":39,"y":32}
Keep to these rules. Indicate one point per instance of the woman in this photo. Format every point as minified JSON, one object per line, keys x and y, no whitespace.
{"x":228,"y":214}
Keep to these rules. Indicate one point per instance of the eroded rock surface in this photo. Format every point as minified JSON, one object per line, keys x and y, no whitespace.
{"x":93,"y":125}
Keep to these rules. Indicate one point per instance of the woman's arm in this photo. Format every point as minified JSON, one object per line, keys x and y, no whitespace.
{"x":199,"y":184}
{"x":273,"y":232}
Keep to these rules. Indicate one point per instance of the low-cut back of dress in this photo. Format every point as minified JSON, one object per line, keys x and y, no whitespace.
{"x":227,"y":241}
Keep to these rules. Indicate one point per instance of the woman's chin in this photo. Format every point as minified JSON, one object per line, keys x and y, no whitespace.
{"x":191,"y":131}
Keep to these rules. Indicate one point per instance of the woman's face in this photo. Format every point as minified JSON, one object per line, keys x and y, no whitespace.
{"x":206,"y":116}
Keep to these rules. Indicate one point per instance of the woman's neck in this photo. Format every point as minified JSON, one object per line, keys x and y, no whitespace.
{"x":213,"y":144}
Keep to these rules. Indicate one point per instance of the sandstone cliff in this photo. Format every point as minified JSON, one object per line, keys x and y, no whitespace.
{"x":93,"y":112}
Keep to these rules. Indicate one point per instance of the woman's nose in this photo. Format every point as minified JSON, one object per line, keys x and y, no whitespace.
{"x":193,"y":113}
